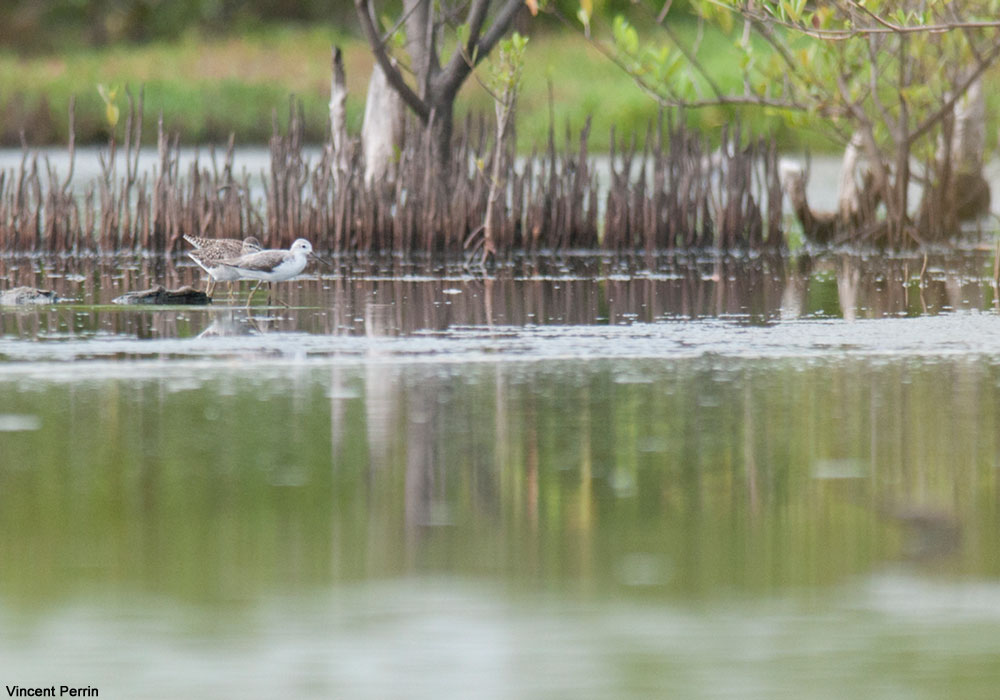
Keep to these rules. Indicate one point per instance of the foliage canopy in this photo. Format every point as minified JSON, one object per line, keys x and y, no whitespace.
{"x":887,"y":75}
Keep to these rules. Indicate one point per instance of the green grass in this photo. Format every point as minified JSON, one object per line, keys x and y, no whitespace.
{"x":207,"y":88}
{"x":587,"y":83}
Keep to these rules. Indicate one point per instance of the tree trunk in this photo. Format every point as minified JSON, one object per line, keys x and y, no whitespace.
{"x":440,"y":128}
{"x":382,"y":129}
{"x":958,"y":191}
{"x":432,"y":97}
{"x":818,"y":227}
{"x":968,"y":140}
{"x":970,"y":192}
{"x":338,"y":119}
{"x":420,"y":43}
{"x":848,"y":193}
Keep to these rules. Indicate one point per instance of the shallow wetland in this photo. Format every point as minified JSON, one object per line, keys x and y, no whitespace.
{"x":680,"y":476}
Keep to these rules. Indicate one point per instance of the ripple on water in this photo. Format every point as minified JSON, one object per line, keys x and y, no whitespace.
{"x":966,"y":333}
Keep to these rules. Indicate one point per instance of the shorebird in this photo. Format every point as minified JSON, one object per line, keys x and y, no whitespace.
{"x":210,"y":252}
{"x":271,"y":265}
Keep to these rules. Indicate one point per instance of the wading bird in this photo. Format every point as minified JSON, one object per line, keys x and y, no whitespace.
{"x":271,"y":265}
{"x":210,"y":252}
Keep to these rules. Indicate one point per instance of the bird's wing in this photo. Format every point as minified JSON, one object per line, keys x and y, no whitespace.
{"x":223,"y":247}
{"x":197,"y":241}
{"x":264,"y":261}
{"x":205,"y":255}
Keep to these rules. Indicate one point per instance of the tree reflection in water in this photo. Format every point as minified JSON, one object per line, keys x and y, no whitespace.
{"x":683,"y":482}
{"x":537,"y":291}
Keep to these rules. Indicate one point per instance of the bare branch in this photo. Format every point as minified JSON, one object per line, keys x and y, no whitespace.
{"x":873,"y":73}
{"x":392,"y":74}
{"x":499,"y":27}
{"x":467,"y":57}
{"x":988,"y":60}
{"x":476,"y":17}
{"x":881,"y":27}
{"x":399,"y":23}
{"x":692,"y":59}
{"x":663,"y":13}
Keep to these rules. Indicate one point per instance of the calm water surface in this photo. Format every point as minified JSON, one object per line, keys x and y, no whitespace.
{"x":575,"y":478}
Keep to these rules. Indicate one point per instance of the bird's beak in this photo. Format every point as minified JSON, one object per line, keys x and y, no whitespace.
{"x":313,"y":256}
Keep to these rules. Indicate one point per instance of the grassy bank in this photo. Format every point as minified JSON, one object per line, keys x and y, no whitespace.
{"x":207,"y":88}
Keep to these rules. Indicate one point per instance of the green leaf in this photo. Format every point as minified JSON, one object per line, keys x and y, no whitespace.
{"x":585,"y":12}
{"x":625,"y":36}
{"x":724,"y":18}
{"x":112,"y":114}
{"x":109,"y":95}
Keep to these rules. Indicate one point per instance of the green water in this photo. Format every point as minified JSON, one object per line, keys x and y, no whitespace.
{"x":402,"y":500}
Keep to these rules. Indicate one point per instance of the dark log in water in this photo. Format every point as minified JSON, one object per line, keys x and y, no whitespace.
{"x":669,"y":191}
{"x":162,"y":296}
{"x":19,"y":296}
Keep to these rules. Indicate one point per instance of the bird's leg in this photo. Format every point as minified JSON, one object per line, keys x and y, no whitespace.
{"x":252,"y":292}
{"x":210,"y":286}
{"x":270,"y":287}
